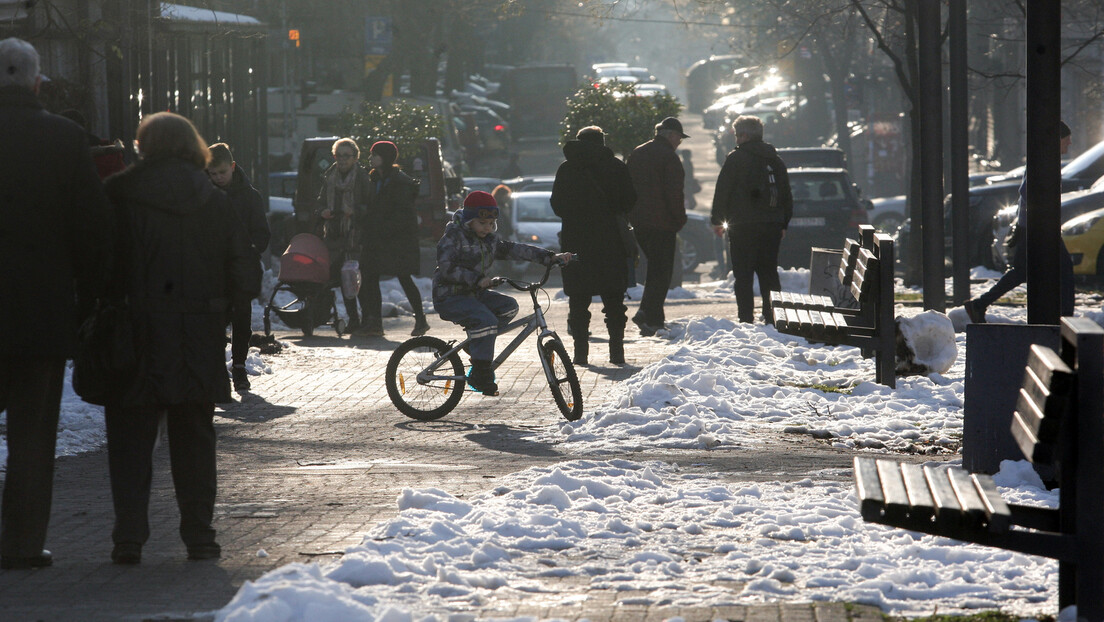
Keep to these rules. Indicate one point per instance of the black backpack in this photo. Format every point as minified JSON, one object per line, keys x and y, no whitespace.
{"x":762,"y":184}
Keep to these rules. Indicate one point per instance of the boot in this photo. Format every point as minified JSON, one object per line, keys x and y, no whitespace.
{"x":354,"y":317}
{"x":372,"y":327}
{"x":579,"y":332}
{"x":616,"y":343}
{"x":482,"y":378}
{"x":240,"y":377}
{"x":421,"y":326}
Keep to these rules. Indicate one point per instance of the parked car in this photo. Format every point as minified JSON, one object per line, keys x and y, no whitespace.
{"x":486,"y":184}
{"x":282,"y":184}
{"x":1073,"y":204}
{"x":813,"y":157}
{"x":533,"y":221}
{"x":1084,"y":239}
{"x":530,"y":182}
{"x":827,"y":209}
{"x":887,"y":213}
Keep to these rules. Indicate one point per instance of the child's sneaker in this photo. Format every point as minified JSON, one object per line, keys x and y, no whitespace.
{"x":482,"y":378}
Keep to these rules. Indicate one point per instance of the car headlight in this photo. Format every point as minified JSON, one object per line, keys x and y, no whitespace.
{"x":534,"y":239}
{"x":1081,"y":224}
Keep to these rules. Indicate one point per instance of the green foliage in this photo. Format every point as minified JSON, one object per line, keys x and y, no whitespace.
{"x":627,"y":120}
{"x":406,"y":124}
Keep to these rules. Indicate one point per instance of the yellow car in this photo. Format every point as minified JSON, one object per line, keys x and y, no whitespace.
{"x":1084,"y":238}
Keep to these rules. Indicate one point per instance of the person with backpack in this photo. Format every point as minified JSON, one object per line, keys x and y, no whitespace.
{"x":753,"y":202}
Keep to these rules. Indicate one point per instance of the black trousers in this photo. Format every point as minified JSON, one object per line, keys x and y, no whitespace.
{"x":241,"y":325}
{"x":30,"y":392}
{"x":131,"y":435}
{"x":371,"y":301}
{"x":754,"y":251}
{"x":659,"y":249}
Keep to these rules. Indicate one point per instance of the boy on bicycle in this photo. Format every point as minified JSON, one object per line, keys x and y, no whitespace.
{"x":461,"y":291}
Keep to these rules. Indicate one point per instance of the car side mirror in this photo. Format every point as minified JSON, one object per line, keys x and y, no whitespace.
{"x":454,"y":185}
{"x":867,"y":204}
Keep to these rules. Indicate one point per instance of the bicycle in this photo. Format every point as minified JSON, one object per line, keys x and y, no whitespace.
{"x":421,"y":390}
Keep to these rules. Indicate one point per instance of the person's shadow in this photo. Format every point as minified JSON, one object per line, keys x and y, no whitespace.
{"x":254,"y":408}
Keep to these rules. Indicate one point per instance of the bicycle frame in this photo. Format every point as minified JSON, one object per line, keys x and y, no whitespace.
{"x":532,"y":323}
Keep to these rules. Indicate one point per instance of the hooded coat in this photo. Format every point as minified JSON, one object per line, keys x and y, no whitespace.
{"x":390,"y":228}
{"x":592,"y":187}
{"x":249,"y":207}
{"x":181,"y":256}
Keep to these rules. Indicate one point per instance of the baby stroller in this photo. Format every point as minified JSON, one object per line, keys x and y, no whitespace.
{"x":305,"y":272}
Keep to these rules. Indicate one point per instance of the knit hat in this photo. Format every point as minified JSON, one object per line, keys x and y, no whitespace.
{"x":386,"y":150}
{"x":479,"y":204}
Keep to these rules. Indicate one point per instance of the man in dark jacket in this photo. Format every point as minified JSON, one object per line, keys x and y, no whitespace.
{"x":248,"y":206}
{"x":754,"y":202}
{"x":592,"y":193}
{"x":54,"y":241}
{"x":657,"y":217}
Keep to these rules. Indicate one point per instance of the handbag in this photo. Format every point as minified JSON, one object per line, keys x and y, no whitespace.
{"x":628,"y":238}
{"x":350,"y":278}
{"x":106,"y":357}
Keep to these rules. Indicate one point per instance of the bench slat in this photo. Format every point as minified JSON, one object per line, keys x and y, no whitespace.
{"x":947,"y":509}
{"x":869,"y":488}
{"x":968,"y":497}
{"x":805,"y":320}
{"x":920,"y":498}
{"x":1042,"y":400}
{"x":893,"y":490}
{"x":996,"y":509}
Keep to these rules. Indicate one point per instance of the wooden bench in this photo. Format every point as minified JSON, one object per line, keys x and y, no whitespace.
{"x":1058,"y":422}
{"x":866,"y":268}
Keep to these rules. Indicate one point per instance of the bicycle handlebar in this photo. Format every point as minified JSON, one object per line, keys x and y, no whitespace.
{"x":524,"y":286}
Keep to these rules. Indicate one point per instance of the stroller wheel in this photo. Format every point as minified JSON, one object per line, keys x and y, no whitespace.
{"x":340,"y":326}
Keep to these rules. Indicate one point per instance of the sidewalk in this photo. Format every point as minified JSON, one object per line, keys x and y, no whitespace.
{"x":316,"y":455}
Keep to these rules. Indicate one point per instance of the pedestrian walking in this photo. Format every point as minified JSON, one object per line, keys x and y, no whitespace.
{"x":342,"y":204}
{"x":1016,"y":274}
{"x":657,"y":217}
{"x":54,"y":245}
{"x":181,"y":258}
{"x":754,"y":204}
{"x":248,"y":207}
{"x":592,"y":194}
{"x":389,"y":239}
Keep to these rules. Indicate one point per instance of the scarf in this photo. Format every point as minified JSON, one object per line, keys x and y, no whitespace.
{"x":343,"y":215}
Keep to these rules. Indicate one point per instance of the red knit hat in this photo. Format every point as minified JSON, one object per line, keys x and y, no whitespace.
{"x":479,"y":204}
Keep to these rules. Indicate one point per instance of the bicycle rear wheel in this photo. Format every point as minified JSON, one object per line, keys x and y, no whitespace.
{"x":424,"y":402}
{"x":561,"y":375}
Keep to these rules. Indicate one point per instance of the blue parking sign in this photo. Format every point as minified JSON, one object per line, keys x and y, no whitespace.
{"x":377,"y":35}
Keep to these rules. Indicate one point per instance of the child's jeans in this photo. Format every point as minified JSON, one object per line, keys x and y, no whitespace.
{"x":481,"y":315}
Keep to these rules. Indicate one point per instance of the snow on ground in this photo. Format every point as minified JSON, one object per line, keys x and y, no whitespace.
{"x":679,"y":538}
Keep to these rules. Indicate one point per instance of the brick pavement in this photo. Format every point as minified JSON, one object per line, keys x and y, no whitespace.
{"x":316,"y":454}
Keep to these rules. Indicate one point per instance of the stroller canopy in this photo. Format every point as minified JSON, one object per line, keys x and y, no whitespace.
{"x":305,"y":260}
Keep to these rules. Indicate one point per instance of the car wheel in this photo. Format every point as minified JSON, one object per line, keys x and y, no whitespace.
{"x":692,"y":254}
{"x":888,"y":223}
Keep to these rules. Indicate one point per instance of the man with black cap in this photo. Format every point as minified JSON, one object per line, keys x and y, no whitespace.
{"x":658,"y":215}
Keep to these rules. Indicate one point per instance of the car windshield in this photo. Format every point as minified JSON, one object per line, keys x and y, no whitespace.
{"x":534,"y":208}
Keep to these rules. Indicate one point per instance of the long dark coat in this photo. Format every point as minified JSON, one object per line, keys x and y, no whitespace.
{"x":181,"y":256}
{"x":591,"y":187}
{"x":54,"y":227}
{"x":390,"y":229}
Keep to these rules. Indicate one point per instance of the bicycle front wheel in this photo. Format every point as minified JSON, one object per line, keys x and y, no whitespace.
{"x":424,"y":402}
{"x":562,"y":379}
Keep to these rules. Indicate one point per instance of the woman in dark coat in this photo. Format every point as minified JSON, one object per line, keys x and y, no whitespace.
{"x":389,"y":239}
{"x":592,"y":188}
{"x":181,"y":256}
{"x":342,"y":202}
